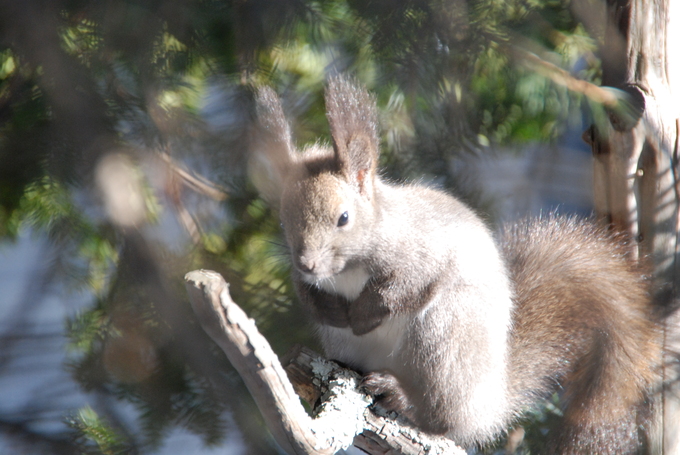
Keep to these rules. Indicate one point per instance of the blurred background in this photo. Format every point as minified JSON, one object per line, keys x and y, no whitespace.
{"x":124,"y":131}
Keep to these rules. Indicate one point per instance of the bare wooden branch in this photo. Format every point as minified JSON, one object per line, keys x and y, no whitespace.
{"x":342,"y":417}
{"x":603,"y":95}
{"x":382,"y":434}
{"x":257,"y":364}
{"x":178,"y":178}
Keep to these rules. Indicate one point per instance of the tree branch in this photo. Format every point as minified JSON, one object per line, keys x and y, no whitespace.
{"x":342,"y":417}
{"x":623,"y":106}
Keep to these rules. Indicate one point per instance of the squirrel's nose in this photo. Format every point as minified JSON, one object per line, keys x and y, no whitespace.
{"x":306,"y":265}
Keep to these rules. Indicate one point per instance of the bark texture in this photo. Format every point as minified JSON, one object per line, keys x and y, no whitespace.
{"x":342,"y":417}
{"x":637,"y":186}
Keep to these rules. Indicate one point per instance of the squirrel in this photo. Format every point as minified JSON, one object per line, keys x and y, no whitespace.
{"x":454,"y":328}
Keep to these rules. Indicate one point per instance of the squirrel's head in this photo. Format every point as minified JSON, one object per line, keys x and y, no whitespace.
{"x":325,"y":196}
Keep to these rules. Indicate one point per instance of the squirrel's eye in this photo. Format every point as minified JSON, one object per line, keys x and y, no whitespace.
{"x":344,"y":218}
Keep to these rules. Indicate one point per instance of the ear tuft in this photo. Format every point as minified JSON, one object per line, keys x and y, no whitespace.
{"x":272,"y":154}
{"x":273,"y":124}
{"x":353,"y":120}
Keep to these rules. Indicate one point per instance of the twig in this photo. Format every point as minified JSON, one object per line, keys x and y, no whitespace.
{"x":197,"y":183}
{"x":606,"y":96}
{"x":624,"y":107}
{"x":257,"y":364}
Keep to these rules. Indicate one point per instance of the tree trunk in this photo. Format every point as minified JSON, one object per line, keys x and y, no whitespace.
{"x":636,"y":177}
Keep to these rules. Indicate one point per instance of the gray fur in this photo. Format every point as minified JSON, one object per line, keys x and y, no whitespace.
{"x":457,"y":333}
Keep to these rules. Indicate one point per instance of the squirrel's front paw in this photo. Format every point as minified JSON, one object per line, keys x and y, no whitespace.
{"x":387,"y":391}
{"x":330,"y":309}
{"x":333,"y":316}
{"x":364,"y":325}
{"x":366,"y":313}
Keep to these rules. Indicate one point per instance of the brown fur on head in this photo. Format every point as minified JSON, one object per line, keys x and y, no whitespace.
{"x":324,"y":195}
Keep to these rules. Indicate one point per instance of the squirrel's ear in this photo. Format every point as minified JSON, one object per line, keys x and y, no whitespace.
{"x":272,"y":154}
{"x":352,"y":116}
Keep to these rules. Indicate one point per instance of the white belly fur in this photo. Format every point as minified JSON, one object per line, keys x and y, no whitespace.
{"x":375,"y":350}
{"x":348,"y":283}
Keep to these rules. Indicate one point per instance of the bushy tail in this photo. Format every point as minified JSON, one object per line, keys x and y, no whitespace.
{"x":584,"y":326}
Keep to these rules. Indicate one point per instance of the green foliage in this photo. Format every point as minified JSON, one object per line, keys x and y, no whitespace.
{"x":87,"y":329}
{"x":537,"y":423}
{"x":95,"y":436}
{"x":47,"y":207}
{"x":180,"y":401}
{"x":85,"y":78}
